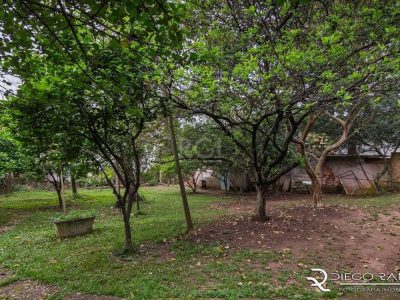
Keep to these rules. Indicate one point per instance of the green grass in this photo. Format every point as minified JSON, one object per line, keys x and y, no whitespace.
{"x":89,"y":263}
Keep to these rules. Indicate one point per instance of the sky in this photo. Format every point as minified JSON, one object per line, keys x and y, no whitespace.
{"x":15,"y":82}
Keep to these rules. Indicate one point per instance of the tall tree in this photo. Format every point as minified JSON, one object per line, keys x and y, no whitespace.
{"x":90,"y":64}
{"x":260,"y":65}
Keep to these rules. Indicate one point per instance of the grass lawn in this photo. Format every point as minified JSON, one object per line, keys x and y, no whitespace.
{"x":90,"y":263}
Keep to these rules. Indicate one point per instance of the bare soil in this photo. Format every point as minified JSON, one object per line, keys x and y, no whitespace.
{"x":32,"y":290}
{"x":336,"y":237}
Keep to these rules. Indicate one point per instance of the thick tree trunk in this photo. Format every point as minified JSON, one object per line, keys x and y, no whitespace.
{"x":188,"y":217}
{"x":260,"y":212}
{"x":74,"y":185}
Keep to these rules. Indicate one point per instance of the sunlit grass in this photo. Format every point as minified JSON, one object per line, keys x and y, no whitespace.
{"x":90,"y":263}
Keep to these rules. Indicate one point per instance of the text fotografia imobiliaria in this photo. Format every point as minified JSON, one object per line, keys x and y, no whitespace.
{"x":385,"y":282}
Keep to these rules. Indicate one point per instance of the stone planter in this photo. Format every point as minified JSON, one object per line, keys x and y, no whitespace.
{"x":75,"y":227}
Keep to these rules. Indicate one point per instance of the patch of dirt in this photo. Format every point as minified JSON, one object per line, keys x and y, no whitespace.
{"x":288,"y":227}
{"x":4,"y":275}
{"x":80,"y":296}
{"x":5,"y":228}
{"x":27,"y":289}
{"x":370,"y":244}
{"x":32,"y":290}
{"x":16,"y":218}
{"x":335,"y":237}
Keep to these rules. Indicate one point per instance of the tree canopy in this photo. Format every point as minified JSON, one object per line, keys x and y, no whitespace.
{"x":96,"y":76}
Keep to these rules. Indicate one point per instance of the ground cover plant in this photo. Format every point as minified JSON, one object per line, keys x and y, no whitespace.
{"x":227,"y":255}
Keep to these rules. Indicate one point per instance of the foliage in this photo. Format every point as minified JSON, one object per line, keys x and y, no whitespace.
{"x":95,"y":74}
{"x":96,"y":179}
{"x":91,"y":72}
{"x":151,"y":176}
{"x":379,"y":127}
{"x":12,"y":159}
{"x":73,"y":215}
{"x":191,"y":170}
{"x":262,"y":67}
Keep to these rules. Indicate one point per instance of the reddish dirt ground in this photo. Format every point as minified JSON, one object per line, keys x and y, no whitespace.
{"x":337,"y":237}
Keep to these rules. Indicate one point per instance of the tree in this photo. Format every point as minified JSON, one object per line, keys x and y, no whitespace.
{"x":108,"y":129}
{"x":314,"y":154}
{"x":381,"y":133}
{"x":48,"y":166}
{"x":12,"y":159}
{"x":188,"y":218}
{"x":263,"y":64}
{"x":93,"y":72}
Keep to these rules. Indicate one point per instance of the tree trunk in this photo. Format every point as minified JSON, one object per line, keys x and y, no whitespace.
{"x":62,"y":182}
{"x":378,"y":177}
{"x":128,"y":232}
{"x":126,"y":213}
{"x":118,"y":189}
{"x":261,"y":214}
{"x":64,"y":205}
{"x":10,"y":183}
{"x":189,"y":223}
{"x":317,"y":192}
{"x":60,"y":200}
{"x":74,"y":185}
{"x":225,"y":176}
{"x":315,"y":183}
{"x":137,"y":202}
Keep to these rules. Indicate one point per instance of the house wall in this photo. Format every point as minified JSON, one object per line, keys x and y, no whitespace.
{"x":236,"y":180}
{"x":354,"y":173}
{"x":394,"y":171}
{"x":212,"y":182}
{"x":358,"y":179}
{"x":357,"y":176}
